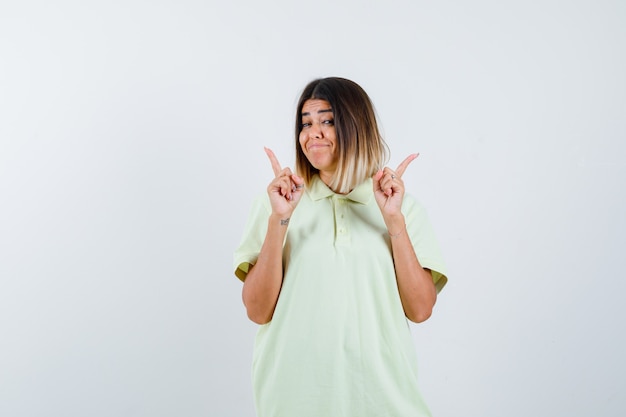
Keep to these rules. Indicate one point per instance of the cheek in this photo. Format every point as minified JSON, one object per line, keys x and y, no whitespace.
{"x":302,"y":140}
{"x":331,"y":135}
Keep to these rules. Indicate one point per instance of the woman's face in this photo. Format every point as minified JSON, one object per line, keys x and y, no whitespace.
{"x":318,"y":139}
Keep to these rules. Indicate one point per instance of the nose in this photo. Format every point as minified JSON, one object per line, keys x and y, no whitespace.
{"x":315,"y":131}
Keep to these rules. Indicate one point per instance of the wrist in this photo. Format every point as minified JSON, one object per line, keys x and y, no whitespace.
{"x":395,"y":225}
{"x":399,"y":232}
{"x":280,"y":219}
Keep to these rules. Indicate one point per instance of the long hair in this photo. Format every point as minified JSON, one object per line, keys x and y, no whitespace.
{"x":361,"y":148}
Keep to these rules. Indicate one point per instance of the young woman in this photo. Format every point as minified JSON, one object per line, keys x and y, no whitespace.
{"x":334,"y":259}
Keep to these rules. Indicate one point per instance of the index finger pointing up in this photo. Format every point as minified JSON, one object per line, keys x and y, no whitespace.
{"x":275,"y":165}
{"x":404,"y":164}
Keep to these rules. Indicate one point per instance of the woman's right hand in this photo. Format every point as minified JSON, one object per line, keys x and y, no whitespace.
{"x":285,"y":190}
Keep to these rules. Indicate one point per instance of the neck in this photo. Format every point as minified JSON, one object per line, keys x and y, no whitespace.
{"x":326,"y":178}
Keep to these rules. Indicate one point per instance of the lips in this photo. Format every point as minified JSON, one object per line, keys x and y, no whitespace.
{"x":316,"y":146}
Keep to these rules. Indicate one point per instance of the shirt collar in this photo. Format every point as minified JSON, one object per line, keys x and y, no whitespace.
{"x":362,"y":193}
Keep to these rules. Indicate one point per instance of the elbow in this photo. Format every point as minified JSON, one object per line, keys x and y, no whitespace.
{"x":420,"y":316}
{"x":420,"y":312}
{"x":257,"y":317}
{"x":256,"y":312}
{"x":260,"y":301}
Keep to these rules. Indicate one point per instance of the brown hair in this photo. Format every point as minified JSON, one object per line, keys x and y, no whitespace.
{"x":362,"y":150}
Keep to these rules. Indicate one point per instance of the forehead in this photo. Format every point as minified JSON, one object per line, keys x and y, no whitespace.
{"x":314,"y":106}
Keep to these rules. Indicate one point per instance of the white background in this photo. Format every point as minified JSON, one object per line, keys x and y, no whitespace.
{"x":131,"y":146}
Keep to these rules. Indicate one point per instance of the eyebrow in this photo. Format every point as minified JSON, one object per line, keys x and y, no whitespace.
{"x":318,"y":112}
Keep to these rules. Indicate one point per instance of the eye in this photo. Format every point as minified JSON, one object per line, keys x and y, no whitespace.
{"x":304,"y":124}
{"x":329,"y":122}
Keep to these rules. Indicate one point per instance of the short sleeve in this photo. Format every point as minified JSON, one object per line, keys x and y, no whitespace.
{"x":424,"y":241}
{"x":253,"y":236}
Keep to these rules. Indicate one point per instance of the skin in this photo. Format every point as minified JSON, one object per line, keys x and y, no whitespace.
{"x":318,"y":138}
{"x":318,"y":141}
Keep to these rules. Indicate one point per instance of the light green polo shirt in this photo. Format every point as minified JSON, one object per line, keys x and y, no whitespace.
{"x":339,"y":343}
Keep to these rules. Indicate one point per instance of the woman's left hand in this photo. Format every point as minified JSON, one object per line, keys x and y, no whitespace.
{"x":389,"y":189}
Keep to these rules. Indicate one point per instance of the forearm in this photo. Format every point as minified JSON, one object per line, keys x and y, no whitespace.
{"x":264,"y":280}
{"x":415,"y":284}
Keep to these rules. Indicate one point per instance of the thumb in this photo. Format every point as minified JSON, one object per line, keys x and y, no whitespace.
{"x":376,"y":179}
{"x":298,"y":180}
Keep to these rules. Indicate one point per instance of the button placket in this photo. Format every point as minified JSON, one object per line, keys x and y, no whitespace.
{"x":341,"y":220}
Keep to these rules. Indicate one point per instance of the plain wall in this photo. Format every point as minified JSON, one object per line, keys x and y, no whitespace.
{"x":131,"y":147}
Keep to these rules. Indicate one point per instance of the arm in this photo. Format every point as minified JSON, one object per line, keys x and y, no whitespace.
{"x":263,"y":282}
{"x":261,"y":287}
{"x":415,"y":284}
